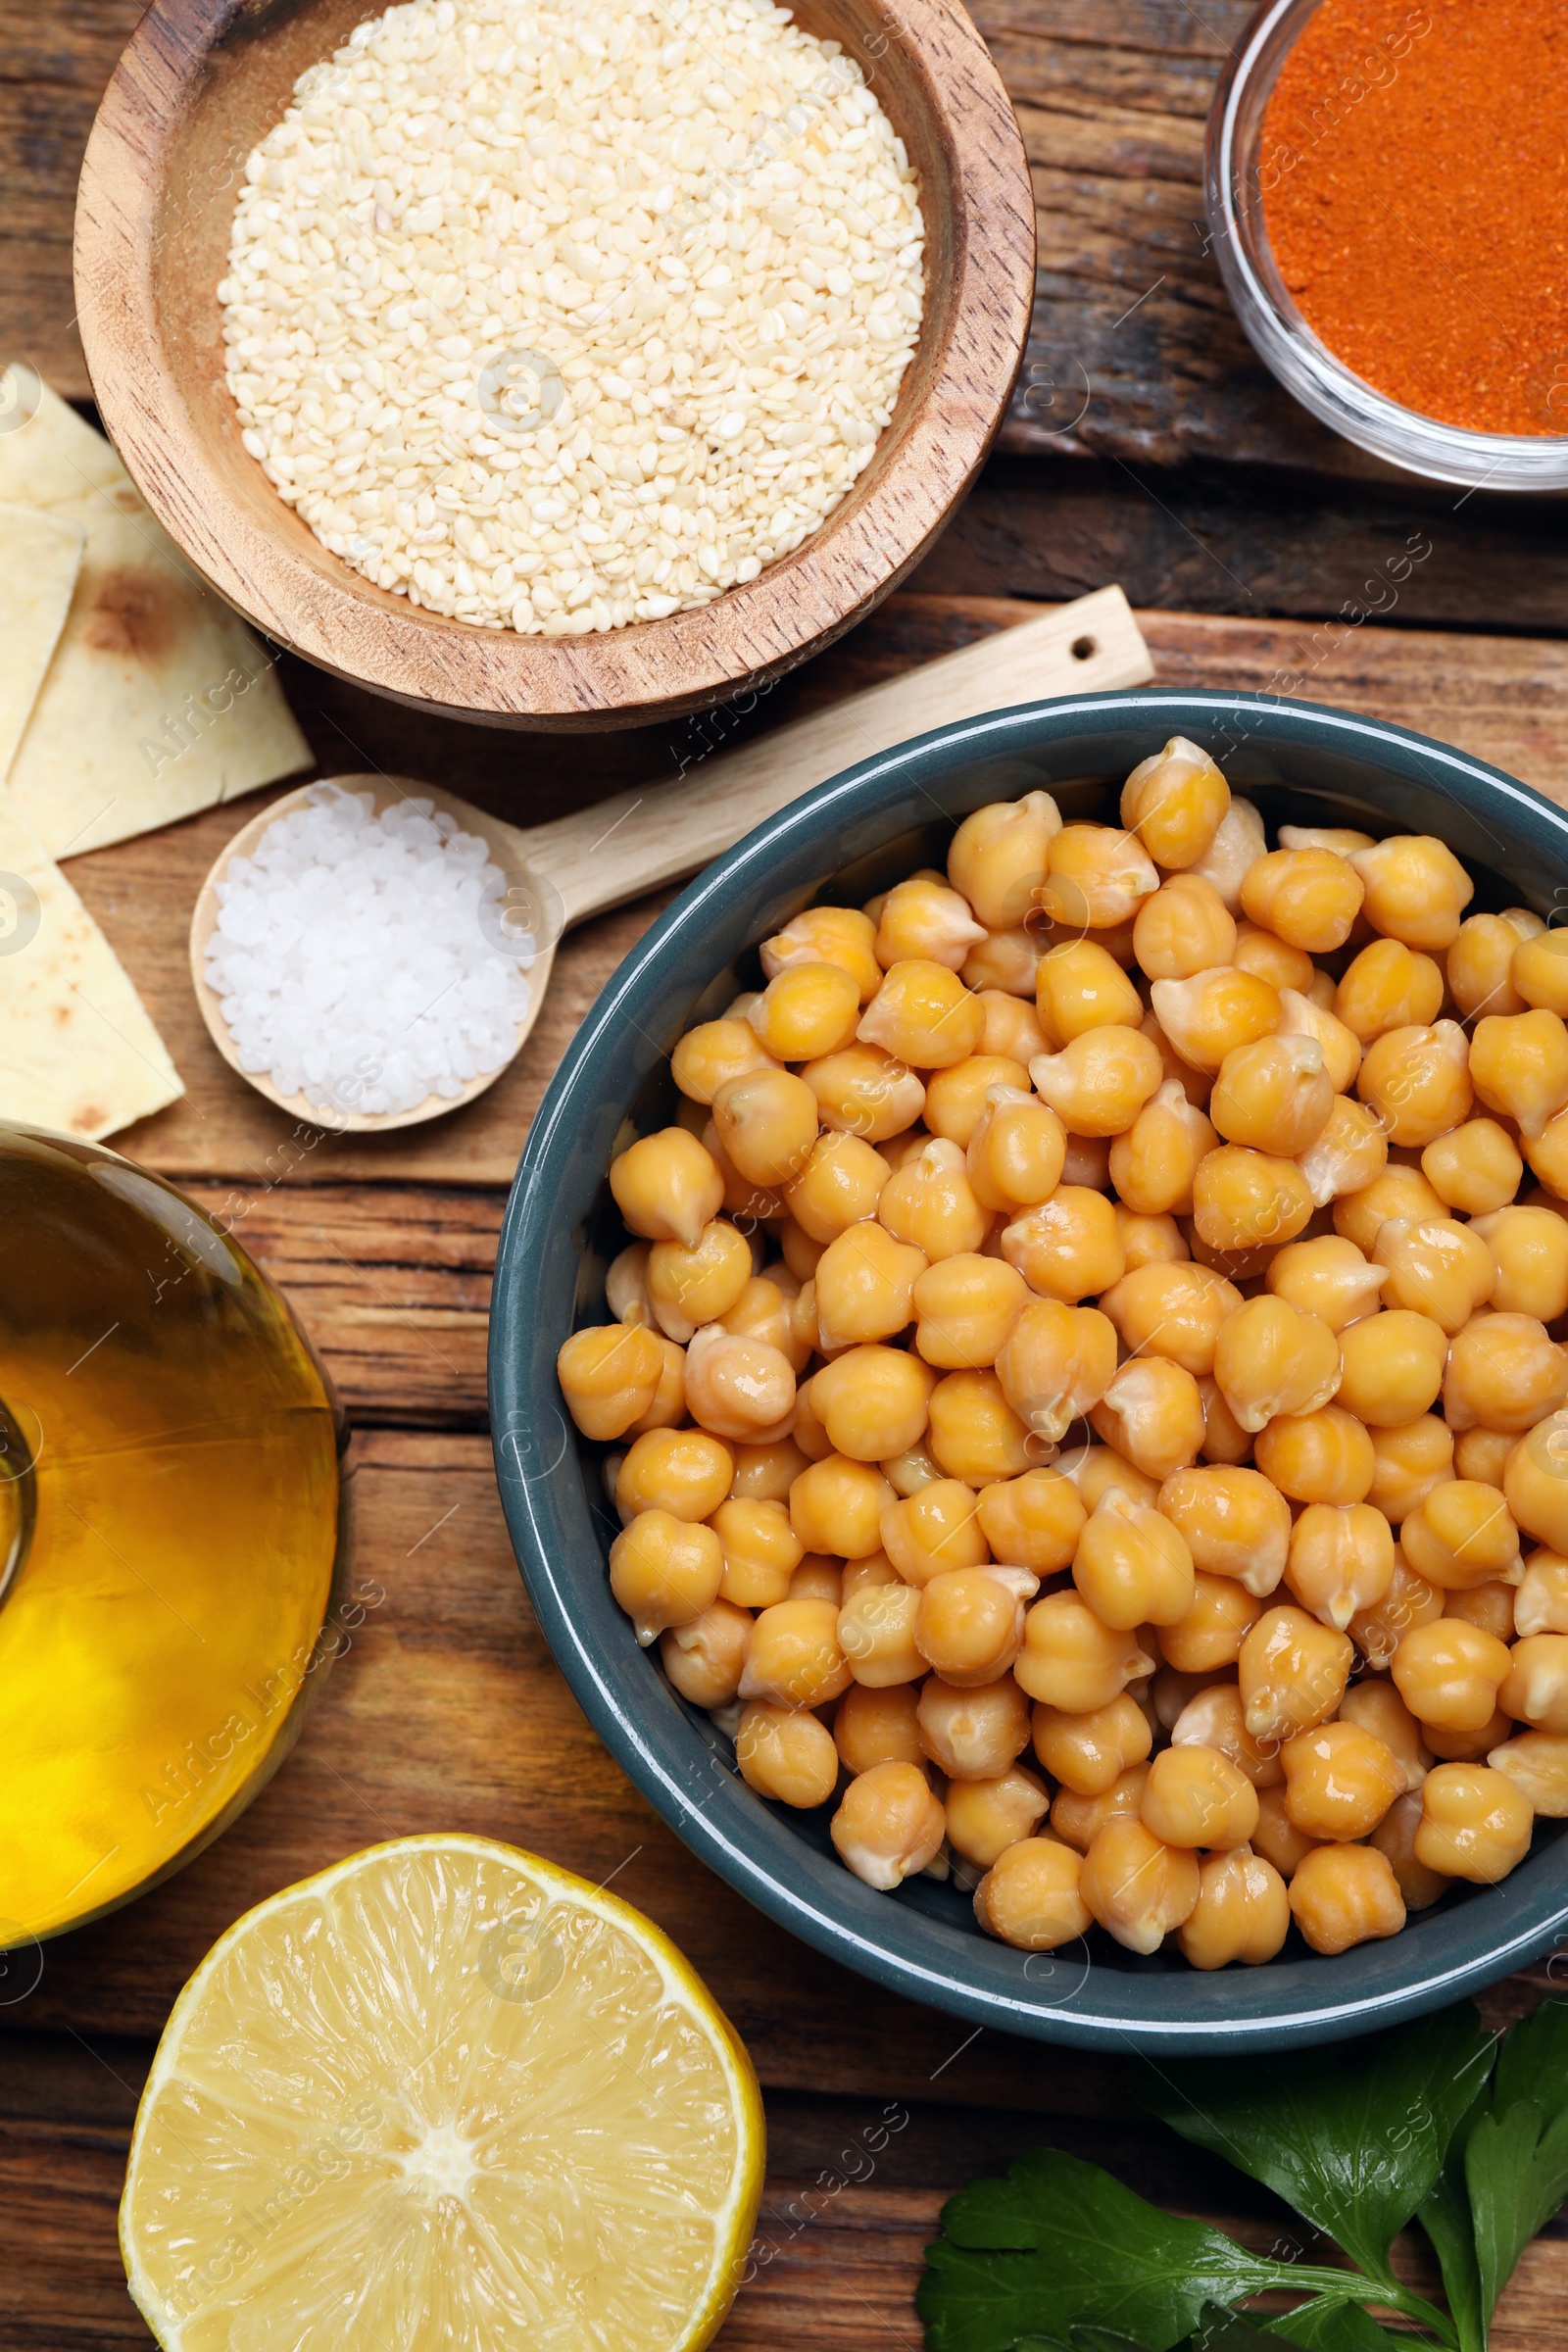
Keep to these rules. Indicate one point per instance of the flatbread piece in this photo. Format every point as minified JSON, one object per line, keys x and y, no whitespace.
{"x":40,"y":556}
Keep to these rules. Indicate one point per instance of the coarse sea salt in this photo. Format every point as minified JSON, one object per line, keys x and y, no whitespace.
{"x":368,"y":962}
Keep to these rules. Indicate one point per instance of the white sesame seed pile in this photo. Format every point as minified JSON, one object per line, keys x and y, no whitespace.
{"x":558,"y":318}
{"x":365,"y":961}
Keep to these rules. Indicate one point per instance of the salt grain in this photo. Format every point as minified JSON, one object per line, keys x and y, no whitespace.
{"x":366,"y":962}
{"x":683,"y":230}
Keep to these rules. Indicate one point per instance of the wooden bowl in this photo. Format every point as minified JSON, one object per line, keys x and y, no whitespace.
{"x":203,"y":80}
{"x":503,"y":843}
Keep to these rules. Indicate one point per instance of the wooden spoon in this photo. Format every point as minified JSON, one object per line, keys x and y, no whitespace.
{"x":558,"y":874}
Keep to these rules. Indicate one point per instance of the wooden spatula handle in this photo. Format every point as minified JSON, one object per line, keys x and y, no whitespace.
{"x":623,"y":847}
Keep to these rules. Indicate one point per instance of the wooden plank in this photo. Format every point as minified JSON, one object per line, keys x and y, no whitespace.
{"x":1501,"y":698}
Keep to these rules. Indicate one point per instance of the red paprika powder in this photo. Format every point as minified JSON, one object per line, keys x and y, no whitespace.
{"x":1414,"y":173}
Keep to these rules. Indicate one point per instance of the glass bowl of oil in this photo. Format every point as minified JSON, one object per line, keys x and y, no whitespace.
{"x":172,"y":1513}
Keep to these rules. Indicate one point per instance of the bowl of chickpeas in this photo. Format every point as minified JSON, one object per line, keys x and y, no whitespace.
{"x":1029,"y":1377}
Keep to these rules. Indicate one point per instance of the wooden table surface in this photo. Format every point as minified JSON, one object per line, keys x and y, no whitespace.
{"x":1144,"y":444}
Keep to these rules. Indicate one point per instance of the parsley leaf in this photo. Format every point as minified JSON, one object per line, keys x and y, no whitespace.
{"x":1060,"y":2244}
{"x":1353,"y":2138}
{"x":1516,"y":2152}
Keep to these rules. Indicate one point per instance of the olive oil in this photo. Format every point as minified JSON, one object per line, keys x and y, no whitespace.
{"x":170,"y":1508}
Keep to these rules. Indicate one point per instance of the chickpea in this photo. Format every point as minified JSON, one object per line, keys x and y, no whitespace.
{"x":663,"y":1571}
{"x":1321,"y":1457}
{"x":760,"y":1551}
{"x":794,"y":1658}
{"x":1098,"y":877}
{"x":873,"y":1727}
{"x":1359,"y":1216}
{"x":808,"y":1009}
{"x":786,"y":1755}
{"x":1100,"y":1080}
{"x":876,"y":1629}
{"x":714,"y":1051}
{"x":1148,"y":1241}
{"x":1388,"y":986}
{"x":1214,"y":1014}
{"x":1538,"y":972}
{"x":1210,"y":1634}
{"x":1480,"y":965}
{"x":1394,"y":1838}
{"x":1012,"y":1031}
{"x":1033,"y":1521}
{"x":703,"y":1658}
{"x":1340,"y":1560}
{"x":1197,"y":1797}
{"x":1088,"y":1752}
{"x":864,"y":1288}
{"x":1173,"y":1310}
{"x":1291,"y":1673}
{"x":1069,"y":1247}
{"x":1174,"y":802}
{"x":765,"y":1473}
{"x":1243,"y":1912}
{"x":873,"y":1402}
{"x":973,"y":1735}
{"x":928,"y":1202}
{"x":1276,"y":1836}
{"x":923,"y":920}
{"x":966,"y":1306}
{"x":1073,"y":1660}
{"x":808,"y":1435}
{"x":1461,"y":1536}
{"x":1529,"y":1248}
{"x":1087,"y":1162}
{"x":1340,"y":1778}
{"x":888,"y":1827}
{"x":1271,"y":1359}
{"x":1342,"y":839}
{"x":1300,"y":1015}
{"x":1137,"y":1887}
{"x":1537,"y":1763}
{"x":1490,"y":1606}
{"x":1132,"y":1566}
{"x":1472,"y":1170}
{"x":1409,"y":1601}
{"x":1417,"y":889}
{"x":688,"y":1287}
{"x":1272,"y":959}
{"x":767,"y":1122}
{"x":1309,"y":897}
{"x":610,"y":1375}
{"x":1536,"y":1690}
{"x":1351,"y":1153}
{"x":1002,"y":962}
{"x":1547,"y":1154}
{"x":1541,"y":1599}
{"x":1214,"y":1718}
{"x":1242,"y":1200}
{"x":1235,"y":848}
{"x":923,"y":1014}
{"x":683,"y":1471}
{"x":1225,"y":1441}
{"x":1475,"y":1823}
{"x":986,"y":1817}
{"x":1232,"y":1522}
{"x":666,"y":1187}
{"x":1154,"y":1163}
{"x":1346,"y":1894}
{"x":1483,"y":1454}
{"x":970,"y":1624}
{"x":1273,"y":1094}
{"x":1519,"y":1065}
{"x":1100,"y":1470}
{"x":1183,"y":929}
{"x":801,"y":1253}
{"x":1196,"y":1084}
{"x":1057,"y":1362}
{"x":1016,"y":1154}
{"x":1503,"y":1373}
{"x":1392,"y":1368}
{"x":1030,"y":1896}
{"x":839,"y":935}
{"x":863,"y":1091}
{"x":839,"y":1184}
{"x":1469,"y":1748}
{"x":1080,"y":1819}
{"x":1000,"y":855}
{"x":956,"y":1098}
{"x":1439,"y":1268}
{"x":1417,"y":1080}
{"x":1151,"y":1413}
{"x":974,"y":1432}
{"x":1080,"y":986}
{"x":1449,"y":1674}
{"x":1409,"y":1462}
{"x":627,"y":1285}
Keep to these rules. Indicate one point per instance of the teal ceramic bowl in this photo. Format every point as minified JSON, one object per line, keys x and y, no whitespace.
{"x":866,"y":828}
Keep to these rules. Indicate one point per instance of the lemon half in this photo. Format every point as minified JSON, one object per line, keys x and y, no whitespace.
{"x":446,"y":2095}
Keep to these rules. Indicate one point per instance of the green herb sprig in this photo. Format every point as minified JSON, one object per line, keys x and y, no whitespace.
{"x":1439,"y":2123}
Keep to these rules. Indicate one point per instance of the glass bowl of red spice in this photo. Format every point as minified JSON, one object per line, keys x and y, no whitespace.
{"x":1387,"y":200}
